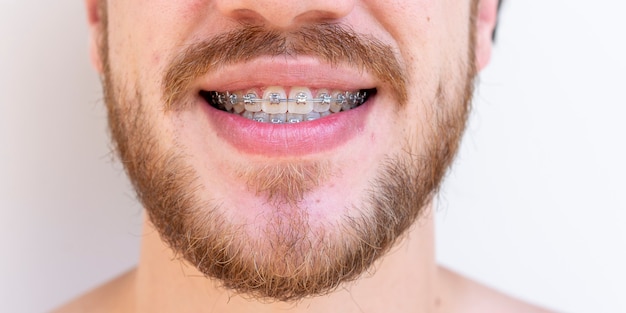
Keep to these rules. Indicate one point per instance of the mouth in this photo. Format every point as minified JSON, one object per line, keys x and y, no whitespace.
{"x":289,"y":107}
{"x":278,"y":105}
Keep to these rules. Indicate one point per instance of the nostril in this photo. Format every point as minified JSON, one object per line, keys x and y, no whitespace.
{"x":247,"y":16}
{"x":285,"y":14}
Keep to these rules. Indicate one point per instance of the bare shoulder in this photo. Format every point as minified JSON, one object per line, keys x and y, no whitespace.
{"x":460,"y":294}
{"x":113,"y":296}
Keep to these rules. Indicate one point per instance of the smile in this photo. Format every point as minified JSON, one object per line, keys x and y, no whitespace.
{"x":278,"y":105}
{"x":288,"y":107}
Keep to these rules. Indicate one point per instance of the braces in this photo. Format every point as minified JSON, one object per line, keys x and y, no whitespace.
{"x":353,"y":98}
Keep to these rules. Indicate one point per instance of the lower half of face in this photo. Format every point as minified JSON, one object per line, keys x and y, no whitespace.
{"x":288,"y":188}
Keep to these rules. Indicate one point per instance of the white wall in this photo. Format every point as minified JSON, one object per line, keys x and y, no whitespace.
{"x":534,"y":206}
{"x":68,"y":220}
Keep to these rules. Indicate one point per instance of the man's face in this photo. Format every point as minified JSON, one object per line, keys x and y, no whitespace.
{"x":203,"y":100}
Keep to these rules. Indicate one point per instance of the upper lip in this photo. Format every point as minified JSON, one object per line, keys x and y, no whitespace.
{"x":286,"y":71}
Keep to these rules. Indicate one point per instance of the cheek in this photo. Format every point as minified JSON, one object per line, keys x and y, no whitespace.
{"x":156,"y":58}
{"x":410,"y":23}
{"x":147,"y":31}
{"x":426,"y":31}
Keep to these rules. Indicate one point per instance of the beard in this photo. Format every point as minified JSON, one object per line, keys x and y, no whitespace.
{"x":289,"y":258}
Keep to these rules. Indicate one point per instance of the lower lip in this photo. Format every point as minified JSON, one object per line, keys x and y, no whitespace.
{"x":289,"y":139}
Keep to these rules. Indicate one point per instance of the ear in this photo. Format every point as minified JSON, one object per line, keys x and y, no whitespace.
{"x":96,"y":29}
{"x":486,"y":19}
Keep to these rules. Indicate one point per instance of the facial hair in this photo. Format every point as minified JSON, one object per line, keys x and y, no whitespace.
{"x":292,"y":260}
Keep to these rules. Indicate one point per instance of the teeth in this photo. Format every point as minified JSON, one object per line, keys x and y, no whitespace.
{"x":238,"y":105}
{"x":350,"y":100}
{"x":324,"y":104}
{"x":295,"y":117}
{"x":302,"y":103}
{"x":339,"y":98}
{"x":250,"y":103}
{"x":224,"y":100}
{"x":248,"y":114}
{"x":274,"y":103}
{"x":276,"y":107}
{"x":312,"y":116}
{"x":261,"y":117}
{"x":278,"y":118}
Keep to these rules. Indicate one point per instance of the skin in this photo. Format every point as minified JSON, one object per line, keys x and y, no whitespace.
{"x":431,"y":40}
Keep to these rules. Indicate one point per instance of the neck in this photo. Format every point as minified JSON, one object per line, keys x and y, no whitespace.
{"x":404,"y":280}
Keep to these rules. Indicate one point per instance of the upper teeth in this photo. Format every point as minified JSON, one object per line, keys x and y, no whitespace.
{"x":276,"y":107}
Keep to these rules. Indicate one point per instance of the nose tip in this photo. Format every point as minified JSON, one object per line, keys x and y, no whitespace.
{"x":285,"y":14}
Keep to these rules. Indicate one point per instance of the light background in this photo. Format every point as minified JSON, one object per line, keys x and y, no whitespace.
{"x":534,"y":206}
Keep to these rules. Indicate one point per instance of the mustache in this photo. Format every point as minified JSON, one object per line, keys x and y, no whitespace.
{"x":332,"y":43}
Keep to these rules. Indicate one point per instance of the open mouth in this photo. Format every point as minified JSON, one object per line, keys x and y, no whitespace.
{"x":279,"y":105}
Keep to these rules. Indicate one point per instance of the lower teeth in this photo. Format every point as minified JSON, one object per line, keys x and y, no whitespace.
{"x":248,"y":106}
